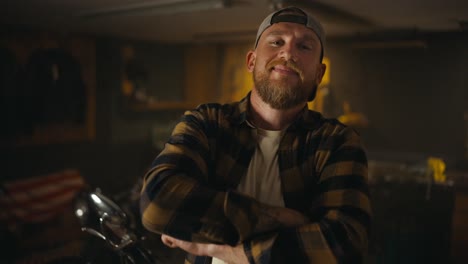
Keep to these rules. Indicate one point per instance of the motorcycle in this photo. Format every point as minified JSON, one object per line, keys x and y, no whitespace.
{"x":104,"y":220}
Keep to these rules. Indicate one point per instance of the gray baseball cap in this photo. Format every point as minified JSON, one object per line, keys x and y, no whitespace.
{"x":293,"y":15}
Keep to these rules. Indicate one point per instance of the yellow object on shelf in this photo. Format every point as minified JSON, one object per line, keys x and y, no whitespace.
{"x":437,"y":166}
{"x":354,"y":119}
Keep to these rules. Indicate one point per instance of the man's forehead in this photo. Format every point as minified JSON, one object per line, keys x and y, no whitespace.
{"x":285,"y":28}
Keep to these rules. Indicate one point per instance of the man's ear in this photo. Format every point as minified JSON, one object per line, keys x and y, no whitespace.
{"x":321,"y":72}
{"x":250,"y":60}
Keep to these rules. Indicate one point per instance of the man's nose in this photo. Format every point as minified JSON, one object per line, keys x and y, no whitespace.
{"x":288,"y":52}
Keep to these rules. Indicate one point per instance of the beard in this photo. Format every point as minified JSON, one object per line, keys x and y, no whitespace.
{"x":281,"y":94}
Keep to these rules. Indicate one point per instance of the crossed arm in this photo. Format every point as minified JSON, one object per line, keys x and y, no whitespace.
{"x":270,"y":218}
{"x":235,"y":254}
{"x":223,"y":232}
{"x":214,"y":238}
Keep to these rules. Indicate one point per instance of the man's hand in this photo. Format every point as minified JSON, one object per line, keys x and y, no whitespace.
{"x":225,"y":253}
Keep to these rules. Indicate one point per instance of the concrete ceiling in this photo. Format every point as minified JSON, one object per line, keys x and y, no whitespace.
{"x":237,"y":20}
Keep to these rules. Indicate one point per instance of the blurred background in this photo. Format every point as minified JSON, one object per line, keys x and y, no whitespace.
{"x":95,"y":87}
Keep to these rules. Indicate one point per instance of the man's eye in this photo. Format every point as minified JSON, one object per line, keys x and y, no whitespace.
{"x":306,"y":47}
{"x":275,"y":42}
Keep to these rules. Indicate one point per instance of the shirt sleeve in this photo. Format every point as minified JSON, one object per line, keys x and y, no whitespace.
{"x":340,"y":212}
{"x":176,"y":199}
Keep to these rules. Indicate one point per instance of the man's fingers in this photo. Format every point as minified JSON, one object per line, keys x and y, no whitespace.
{"x":168,"y":241}
{"x":190,"y":247}
{"x":172,"y":242}
{"x":223,"y":252}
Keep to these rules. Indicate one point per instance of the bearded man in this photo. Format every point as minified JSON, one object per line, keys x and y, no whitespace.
{"x":264,"y":180}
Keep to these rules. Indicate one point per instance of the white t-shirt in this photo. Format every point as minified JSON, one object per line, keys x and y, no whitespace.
{"x":262,"y":180}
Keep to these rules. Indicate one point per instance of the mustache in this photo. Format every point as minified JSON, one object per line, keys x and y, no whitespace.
{"x":289,"y":63}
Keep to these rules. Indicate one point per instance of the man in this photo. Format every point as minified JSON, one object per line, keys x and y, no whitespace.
{"x":264,"y":180}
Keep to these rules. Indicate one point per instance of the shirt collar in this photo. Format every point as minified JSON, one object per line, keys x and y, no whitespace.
{"x":241,"y":110}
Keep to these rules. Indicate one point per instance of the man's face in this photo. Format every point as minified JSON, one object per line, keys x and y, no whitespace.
{"x":286,"y":65}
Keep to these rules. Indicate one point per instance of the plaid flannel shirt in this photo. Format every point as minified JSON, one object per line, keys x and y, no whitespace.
{"x":189,"y":192}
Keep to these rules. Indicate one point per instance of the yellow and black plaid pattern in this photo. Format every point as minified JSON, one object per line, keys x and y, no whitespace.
{"x":189,"y":192}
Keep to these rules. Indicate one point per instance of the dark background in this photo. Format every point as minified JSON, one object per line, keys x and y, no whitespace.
{"x":415,"y":96}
